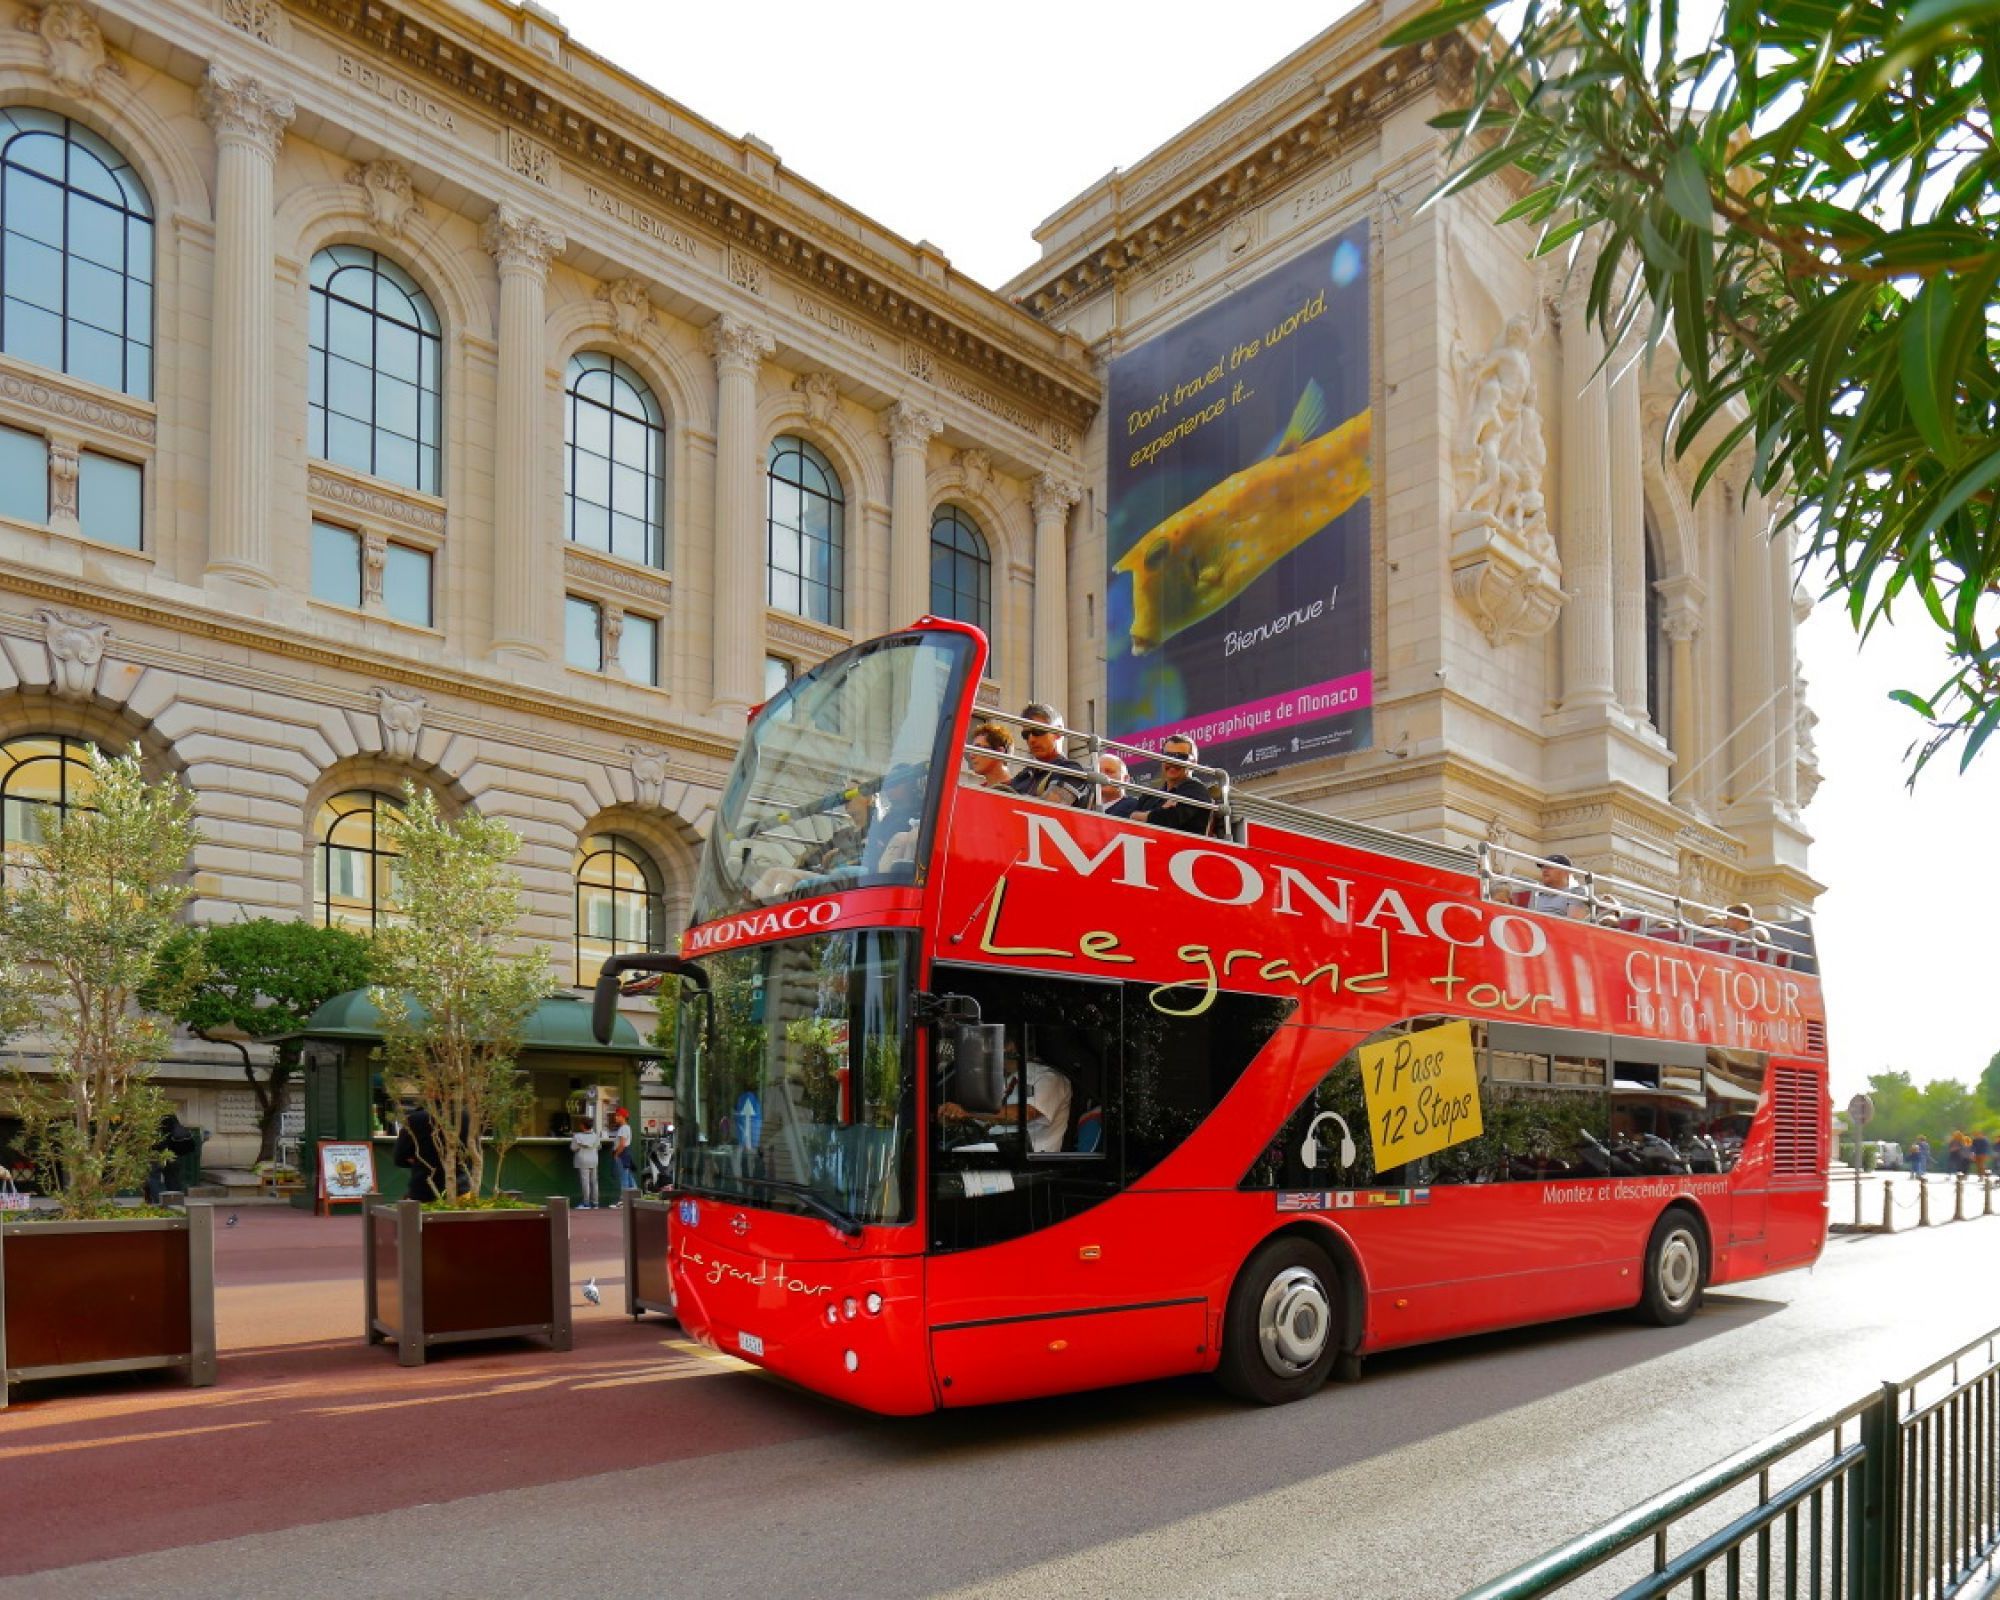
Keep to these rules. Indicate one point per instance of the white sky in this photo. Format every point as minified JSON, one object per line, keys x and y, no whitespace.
{"x":943,"y":124}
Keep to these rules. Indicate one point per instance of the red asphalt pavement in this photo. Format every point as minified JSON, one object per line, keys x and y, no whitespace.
{"x":307,"y":1423}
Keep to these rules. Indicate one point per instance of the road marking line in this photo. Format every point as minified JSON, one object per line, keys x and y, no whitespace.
{"x":11,"y":1451}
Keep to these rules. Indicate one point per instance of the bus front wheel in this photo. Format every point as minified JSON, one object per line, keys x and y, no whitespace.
{"x":1675,"y":1268}
{"x":1281,"y":1333}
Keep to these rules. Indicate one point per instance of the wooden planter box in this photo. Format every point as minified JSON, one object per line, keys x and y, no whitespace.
{"x":646,"y":1285}
{"x":79,"y":1298}
{"x":442,"y":1277}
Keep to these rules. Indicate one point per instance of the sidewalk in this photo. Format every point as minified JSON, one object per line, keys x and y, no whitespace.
{"x":307,"y":1423}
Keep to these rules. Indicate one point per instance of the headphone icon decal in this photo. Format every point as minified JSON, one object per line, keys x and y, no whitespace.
{"x":1309,"y":1150}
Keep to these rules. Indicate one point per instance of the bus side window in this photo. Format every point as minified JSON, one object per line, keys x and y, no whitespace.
{"x":1178,"y":1067}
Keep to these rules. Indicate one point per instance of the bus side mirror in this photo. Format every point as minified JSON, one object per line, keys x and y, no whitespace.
{"x":604,"y":998}
{"x":977,"y":1077}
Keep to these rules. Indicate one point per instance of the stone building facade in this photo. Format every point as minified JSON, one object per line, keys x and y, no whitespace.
{"x":424,"y":425}
{"x":393,"y":391}
{"x":1570,"y":653}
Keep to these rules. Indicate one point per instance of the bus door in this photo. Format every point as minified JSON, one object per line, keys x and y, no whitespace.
{"x":1026,"y":1295}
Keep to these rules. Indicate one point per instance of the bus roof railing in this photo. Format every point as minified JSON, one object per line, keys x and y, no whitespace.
{"x":1505,"y":875}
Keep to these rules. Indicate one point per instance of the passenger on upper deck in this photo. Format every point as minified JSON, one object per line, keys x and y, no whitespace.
{"x":1746,"y":937}
{"x":1195,"y":806}
{"x":991,"y":742}
{"x":1112,"y":799}
{"x":1045,"y":744}
{"x":1557,"y":895}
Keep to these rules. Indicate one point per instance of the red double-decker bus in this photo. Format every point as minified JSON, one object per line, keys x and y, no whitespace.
{"x":981,"y":1097}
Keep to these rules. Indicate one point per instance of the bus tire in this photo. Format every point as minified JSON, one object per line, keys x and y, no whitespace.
{"x":1676,"y":1270}
{"x":1282,"y":1331}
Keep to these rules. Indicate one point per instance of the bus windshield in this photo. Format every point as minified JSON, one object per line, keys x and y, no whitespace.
{"x":835,"y":785}
{"x":791,"y":1081}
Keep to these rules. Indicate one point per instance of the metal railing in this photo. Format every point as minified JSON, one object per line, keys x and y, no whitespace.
{"x":1894,"y":1497}
{"x":1907,"y":1199}
{"x":1505,"y":875}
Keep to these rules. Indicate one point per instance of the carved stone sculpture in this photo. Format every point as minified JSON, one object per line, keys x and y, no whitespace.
{"x":401,"y":712}
{"x":392,"y":197}
{"x":976,"y":468}
{"x":631,"y":309}
{"x":1504,"y":568}
{"x":821,"y":392}
{"x":72,"y":47}
{"x":75,"y":646}
{"x":649,"y":776}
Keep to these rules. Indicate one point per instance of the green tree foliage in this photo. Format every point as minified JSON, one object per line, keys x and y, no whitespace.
{"x":83,"y":925}
{"x":452,"y":998}
{"x":1808,"y":200}
{"x":1989,"y":1084}
{"x":258,"y":979}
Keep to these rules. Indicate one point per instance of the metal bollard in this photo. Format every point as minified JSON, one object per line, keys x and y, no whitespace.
{"x":1888,"y":1208}
{"x":1923,"y":1202}
{"x":1958,"y":1198}
{"x":1987,"y":1182}
{"x":1857,"y":1197}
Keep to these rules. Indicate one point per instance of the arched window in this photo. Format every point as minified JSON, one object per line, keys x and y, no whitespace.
{"x":961,"y":570}
{"x":808,"y":534}
{"x":614,"y":461}
{"x":76,"y":253}
{"x":372,"y":369}
{"x":620,"y":903}
{"x":39,"y":770}
{"x":354,"y":862}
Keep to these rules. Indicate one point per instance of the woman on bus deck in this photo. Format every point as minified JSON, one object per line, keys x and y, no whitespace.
{"x":991,"y":743}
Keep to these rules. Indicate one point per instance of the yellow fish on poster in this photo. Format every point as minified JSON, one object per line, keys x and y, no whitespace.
{"x":1212,"y":549}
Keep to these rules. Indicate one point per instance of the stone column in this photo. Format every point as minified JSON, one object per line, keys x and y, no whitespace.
{"x":523,"y":614}
{"x":737,"y":617}
{"x":1586,"y":507}
{"x":1052,"y":497}
{"x":1752,"y":656}
{"x":1628,"y":543}
{"x":249,"y":122}
{"x":1784,"y":672}
{"x":1680,"y":620}
{"x":909,"y":430}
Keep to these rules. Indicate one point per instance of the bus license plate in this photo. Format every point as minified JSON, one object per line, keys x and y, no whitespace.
{"x":750,"y":1344}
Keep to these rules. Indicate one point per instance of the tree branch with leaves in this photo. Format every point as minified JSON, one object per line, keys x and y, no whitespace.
{"x":1803,"y":203}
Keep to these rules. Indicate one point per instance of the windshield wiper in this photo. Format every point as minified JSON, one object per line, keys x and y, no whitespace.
{"x":849,"y":1225}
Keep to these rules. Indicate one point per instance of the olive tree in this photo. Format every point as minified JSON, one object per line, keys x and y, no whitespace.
{"x":83,"y":919}
{"x":452,"y":997}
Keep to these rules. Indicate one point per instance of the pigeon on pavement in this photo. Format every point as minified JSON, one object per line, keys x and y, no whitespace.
{"x":232,"y":1220}
{"x":592,"y":1293}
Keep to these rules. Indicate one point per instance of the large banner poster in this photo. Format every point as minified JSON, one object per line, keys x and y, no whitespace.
{"x":1241,"y":465}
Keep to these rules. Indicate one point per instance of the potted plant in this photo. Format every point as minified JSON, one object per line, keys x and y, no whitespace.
{"x":95,"y":1283}
{"x":463,"y":1260}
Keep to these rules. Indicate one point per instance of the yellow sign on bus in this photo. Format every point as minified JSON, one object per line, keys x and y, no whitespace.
{"x":1422,"y":1091}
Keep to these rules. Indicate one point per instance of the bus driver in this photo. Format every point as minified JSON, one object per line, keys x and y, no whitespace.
{"x":1047,"y":1106}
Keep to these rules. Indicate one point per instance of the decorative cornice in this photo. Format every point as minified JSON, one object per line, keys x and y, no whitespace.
{"x":732,"y":341}
{"x":801,"y":635}
{"x":910,"y":427}
{"x":261,"y":19}
{"x":546,"y":115}
{"x":585,"y":565}
{"x":49,"y":393}
{"x":242,"y":111}
{"x":1053,"y":495}
{"x":519,"y":242}
{"x":374,"y":500}
{"x":1148,"y":229}
{"x":72,"y":47}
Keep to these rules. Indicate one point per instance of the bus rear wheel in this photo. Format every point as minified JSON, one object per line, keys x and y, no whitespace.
{"x":1675,"y":1269}
{"x":1281,"y":1333}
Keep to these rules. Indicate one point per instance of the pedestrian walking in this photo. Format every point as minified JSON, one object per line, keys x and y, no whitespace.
{"x":1982,"y":1147}
{"x":419,"y":1153}
{"x":1920,"y":1157}
{"x":1958,"y":1154}
{"x":585,"y":1143}
{"x":621,"y":1149}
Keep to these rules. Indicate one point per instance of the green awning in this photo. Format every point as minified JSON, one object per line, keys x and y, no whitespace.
{"x":560,"y":1025}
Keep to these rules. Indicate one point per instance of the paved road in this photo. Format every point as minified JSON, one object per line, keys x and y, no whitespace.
{"x":637,"y":1466}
